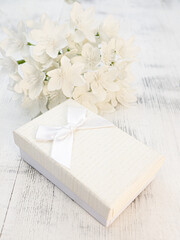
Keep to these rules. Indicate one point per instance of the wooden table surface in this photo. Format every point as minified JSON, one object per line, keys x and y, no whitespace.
{"x":33,"y":208}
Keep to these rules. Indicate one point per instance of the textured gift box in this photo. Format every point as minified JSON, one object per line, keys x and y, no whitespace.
{"x":108,"y":169}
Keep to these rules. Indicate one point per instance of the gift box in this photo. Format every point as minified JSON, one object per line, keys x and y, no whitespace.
{"x":95,"y":163}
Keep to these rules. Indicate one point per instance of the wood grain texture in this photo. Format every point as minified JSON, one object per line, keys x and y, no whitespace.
{"x":31,"y":207}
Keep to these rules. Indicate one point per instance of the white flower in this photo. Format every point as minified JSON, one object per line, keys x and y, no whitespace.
{"x":109,"y":28}
{"x":83,"y":23}
{"x":20,"y":86}
{"x":53,"y":97}
{"x":83,"y":96}
{"x":90,"y":56}
{"x":112,"y":99}
{"x":125,"y":96}
{"x":102,"y":81}
{"x":33,"y":78}
{"x":125,"y":49}
{"x":43,"y":59}
{"x":108,"y":52}
{"x":105,"y":107}
{"x":16,"y":41}
{"x":73,"y":49}
{"x":8,"y":65}
{"x":35,"y":106}
{"x":123,"y":68}
{"x":66,"y":77}
{"x":79,"y":59}
{"x":50,"y":38}
{"x":73,"y":46}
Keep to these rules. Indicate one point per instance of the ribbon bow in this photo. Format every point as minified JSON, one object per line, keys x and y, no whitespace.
{"x":62,"y":137}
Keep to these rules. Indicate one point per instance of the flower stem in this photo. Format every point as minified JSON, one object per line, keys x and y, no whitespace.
{"x":30,"y":44}
{"x":21,"y":61}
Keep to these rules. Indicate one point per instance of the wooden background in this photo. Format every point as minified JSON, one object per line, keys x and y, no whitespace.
{"x":33,"y":208}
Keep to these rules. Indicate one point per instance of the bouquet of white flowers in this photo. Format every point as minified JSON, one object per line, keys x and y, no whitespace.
{"x":79,"y":59}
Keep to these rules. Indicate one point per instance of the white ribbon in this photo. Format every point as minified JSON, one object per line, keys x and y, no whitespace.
{"x":62,"y":137}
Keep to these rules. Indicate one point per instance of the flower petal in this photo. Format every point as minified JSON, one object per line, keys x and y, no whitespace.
{"x":35,"y":90}
{"x":67,"y":88}
{"x":111,"y":86}
{"x":106,"y":107}
{"x":98,"y":91}
{"x":55,"y":82}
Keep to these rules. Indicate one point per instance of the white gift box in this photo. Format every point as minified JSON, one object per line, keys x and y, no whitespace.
{"x":108,"y":167}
